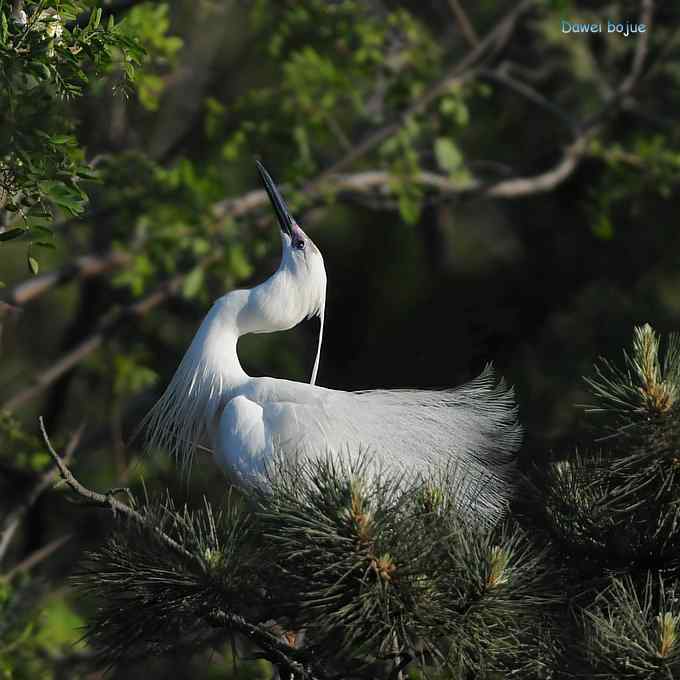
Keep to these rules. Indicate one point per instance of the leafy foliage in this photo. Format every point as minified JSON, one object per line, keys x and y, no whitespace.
{"x":47,"y":59}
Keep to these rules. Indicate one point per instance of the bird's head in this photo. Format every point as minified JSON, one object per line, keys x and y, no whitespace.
{"x":298,"y":289}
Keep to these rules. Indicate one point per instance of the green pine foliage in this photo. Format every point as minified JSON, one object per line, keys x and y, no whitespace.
{"x":367,"y":575}
{"x":613,"y":516}
{"x":371,"y":573}
{"x":171,"y":594}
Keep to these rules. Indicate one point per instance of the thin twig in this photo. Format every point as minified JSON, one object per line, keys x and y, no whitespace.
{"x":405,"y":660}
{"x":109,"y":501}
{"x":82,"y":267}
{"x":278,"y":652}
{"x":501,"y":75}
{"x":460,"y":73}
{"x":630,"y":82}
{"x":35,"y":558}
{"x":466,"y":26}
{"x":106,"y":329}
{"x":13,"y":520}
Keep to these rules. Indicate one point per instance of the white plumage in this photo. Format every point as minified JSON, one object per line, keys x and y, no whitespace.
{"x":247,"y":421}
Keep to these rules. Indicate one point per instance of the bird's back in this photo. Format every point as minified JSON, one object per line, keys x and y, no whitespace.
{"x":473,"y":427}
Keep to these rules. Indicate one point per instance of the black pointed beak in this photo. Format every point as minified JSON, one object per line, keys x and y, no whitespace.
{"x":282,"y":213}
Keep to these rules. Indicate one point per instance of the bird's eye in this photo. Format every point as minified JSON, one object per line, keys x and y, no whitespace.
{"x":300,"y":245}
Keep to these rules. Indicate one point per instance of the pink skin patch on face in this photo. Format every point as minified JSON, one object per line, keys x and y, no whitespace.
{"x":297,"y":232}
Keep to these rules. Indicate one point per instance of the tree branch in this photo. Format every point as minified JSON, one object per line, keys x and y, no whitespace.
{"x":106,"y":329}
{"x":108,"y":501}
{"x":503,"y":77}
{"x":465,"y":26}
{"x":13,"y":520}
{"x":460,"y":73}
{"x":364,"y":182}
{"x":630,"y":82}
{"x":82,"y":267}
{"x":35,"y":558}
{"x":278,"y":652}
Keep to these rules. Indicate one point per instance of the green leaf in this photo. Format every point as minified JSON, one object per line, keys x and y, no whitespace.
{"x":33,"y":265}
{"x":409,"y":207}
{"x":193,"y":282}
{"x":45,"y":244}
{"x":11,"y":234}
{"x":64,"y":196}
{"x":603,"y":228}
{"x":449,"y":157}
{"x":37,"y":224}
{"x":238,"y":262}
{"x":63,"y":139}
{"x":40,"y":223}
{"x":88,"y":173}
{"x":3,"y":28}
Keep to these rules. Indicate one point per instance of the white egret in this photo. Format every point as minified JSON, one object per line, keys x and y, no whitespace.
{"x":246,"y":421}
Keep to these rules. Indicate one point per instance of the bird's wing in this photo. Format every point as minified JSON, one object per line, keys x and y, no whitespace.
{"x":258,"y":423}
{"x":241,"y":444}
{"x":473,"y":427}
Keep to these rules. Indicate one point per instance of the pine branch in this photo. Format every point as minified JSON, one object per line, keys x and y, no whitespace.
{"x":633,"y":632}
{"x":278,"y":652}
{"x":204,"y":557}
{"x":347,"y":570}
{"x":646,"y":387}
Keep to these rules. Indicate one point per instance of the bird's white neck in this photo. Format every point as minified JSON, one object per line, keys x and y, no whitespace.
{"x":210,"y":372}
{"x":213,"y":349}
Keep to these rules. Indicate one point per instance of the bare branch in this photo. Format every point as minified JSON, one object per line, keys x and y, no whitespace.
{"x":13,"y":520}
{"x":502,"y":76}
{"x":109,"y":501}
{"x":630,"y":82}
{"x":460,"y":73}
{"x":36,"y":558}
{"x":81,"y":268}
{"x":465,"y":26}
{"x":379,"y":180}
{"x":106,"y":329}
